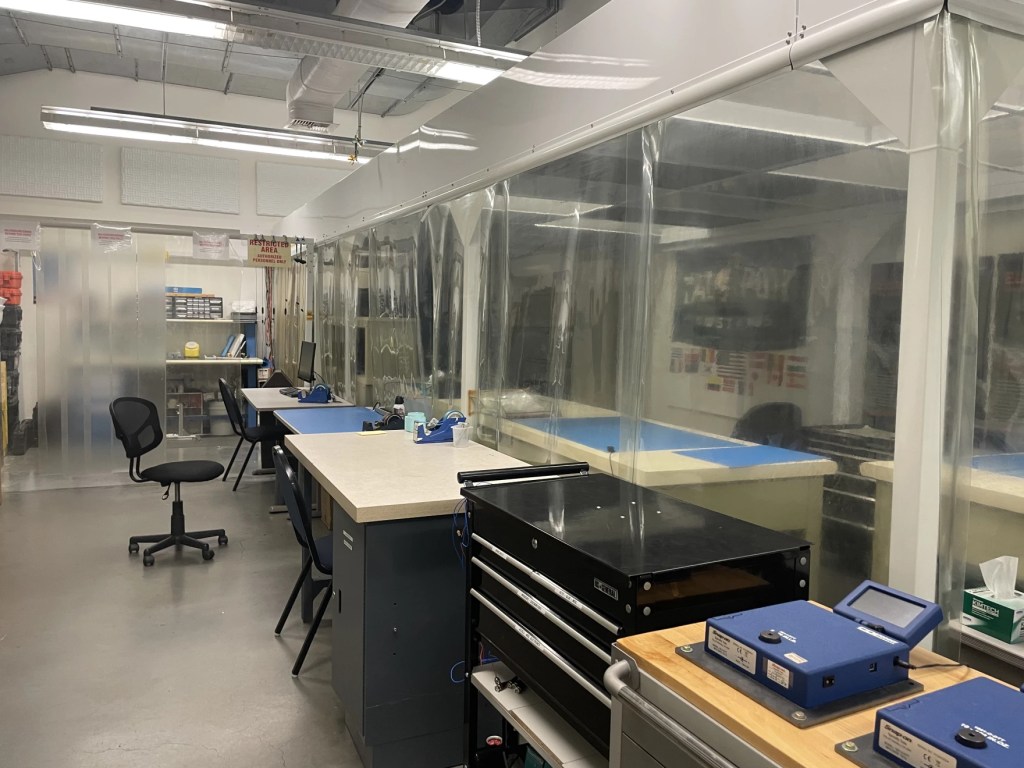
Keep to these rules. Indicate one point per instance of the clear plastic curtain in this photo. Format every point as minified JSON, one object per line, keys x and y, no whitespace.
{"x":288,"y":314}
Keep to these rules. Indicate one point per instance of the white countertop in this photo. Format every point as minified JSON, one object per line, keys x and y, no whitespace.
{"x":988,"y":488}
{"x":386,"y":476}
{"x":271,"y":399}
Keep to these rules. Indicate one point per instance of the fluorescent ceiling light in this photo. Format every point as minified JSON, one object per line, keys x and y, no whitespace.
{"x":173,"y":130}
{"x":466,"y":73}
{"x":125,"y":17}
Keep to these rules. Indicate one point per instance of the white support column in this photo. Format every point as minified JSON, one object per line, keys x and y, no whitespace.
{"x":918,"y":486}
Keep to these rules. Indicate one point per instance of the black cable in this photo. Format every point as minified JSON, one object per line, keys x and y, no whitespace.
{"x":908,"y":665}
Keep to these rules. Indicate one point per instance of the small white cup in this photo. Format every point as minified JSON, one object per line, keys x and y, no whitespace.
{"x":460,"y":435}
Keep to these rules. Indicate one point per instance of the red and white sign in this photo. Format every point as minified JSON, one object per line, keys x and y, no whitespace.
{"x":21,"y":236}
{"x":211,"y":245}
{"x":112,"y":239}
{"x":265,"y":252}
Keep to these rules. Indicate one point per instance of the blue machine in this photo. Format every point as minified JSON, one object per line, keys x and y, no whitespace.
{"x":814,"y":657}
{"x":975,"y":724}
{"x":441,"y":432}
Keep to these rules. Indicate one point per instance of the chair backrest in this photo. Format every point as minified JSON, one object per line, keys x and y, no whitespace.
{"x":136,"y":424}
{"x":231,"y":406}
{"x":775,"y":424}
{"x":298,"y":512}
{"x":277,"y":379}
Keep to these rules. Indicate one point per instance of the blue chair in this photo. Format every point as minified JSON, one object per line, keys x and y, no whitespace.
{"x":318,"y":552}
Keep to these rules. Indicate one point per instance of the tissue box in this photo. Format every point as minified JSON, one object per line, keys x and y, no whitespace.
{"x":999,"y":618}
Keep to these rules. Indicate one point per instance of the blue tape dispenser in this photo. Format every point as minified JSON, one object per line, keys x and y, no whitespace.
{"x":318,"y":394}
{"x":441,"y":431}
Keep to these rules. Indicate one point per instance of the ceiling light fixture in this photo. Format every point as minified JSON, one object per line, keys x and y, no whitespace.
{"x":342,"y":39}
{"x":124,"y":17}
{"x":176,"y":130}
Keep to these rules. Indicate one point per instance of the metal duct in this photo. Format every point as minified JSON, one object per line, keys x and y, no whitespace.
{"x":318,"y":84}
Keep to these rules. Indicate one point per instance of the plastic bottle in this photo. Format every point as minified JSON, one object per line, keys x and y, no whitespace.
{"x":399,"y":407}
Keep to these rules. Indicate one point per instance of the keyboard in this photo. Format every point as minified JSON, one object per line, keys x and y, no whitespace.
{"x":290,"y":391}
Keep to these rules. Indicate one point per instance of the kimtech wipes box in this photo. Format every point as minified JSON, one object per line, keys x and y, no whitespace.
{"x":1000,"y":618}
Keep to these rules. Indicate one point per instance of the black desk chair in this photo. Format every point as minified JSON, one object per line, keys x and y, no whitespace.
{"x":137,"y":426}
{"x":778,"y":424}
{"x":245,"y":433}
{"x":318,"y":552}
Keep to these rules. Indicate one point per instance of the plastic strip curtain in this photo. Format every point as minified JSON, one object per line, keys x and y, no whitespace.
{"x":980,"y":102}
{"x":99,"y":335}
{"x":390,"y":312}
{"x":289,"y":316}
{"x":558,"y":291}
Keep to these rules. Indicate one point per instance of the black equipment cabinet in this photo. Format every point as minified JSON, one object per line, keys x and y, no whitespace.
{"x":561,"y":566}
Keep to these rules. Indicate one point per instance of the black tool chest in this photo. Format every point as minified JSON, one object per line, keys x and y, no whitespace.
{"x":560,"y":567}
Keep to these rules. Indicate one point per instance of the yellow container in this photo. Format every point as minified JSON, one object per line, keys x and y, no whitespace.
{"x":191,"y":349}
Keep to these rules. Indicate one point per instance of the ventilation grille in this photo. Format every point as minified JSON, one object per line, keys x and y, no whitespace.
{"x":309,"y":125}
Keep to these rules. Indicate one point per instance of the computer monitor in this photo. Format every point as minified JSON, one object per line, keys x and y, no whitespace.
{"x":306,"y":354}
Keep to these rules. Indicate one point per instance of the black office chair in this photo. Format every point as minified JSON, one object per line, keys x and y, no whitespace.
{"x":777,"y":424}
{"x":245,"y":433}
{"x":137,"y":426}
{"x":277,"y":380}
{"x":319,"y":552}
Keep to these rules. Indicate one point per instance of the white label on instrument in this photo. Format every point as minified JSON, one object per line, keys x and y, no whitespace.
{"x":796,"y":658}
{"x":777,"y":673}
{"x":743,"y":656}
{"x":878,"y":635}
{"x":910,"y":749}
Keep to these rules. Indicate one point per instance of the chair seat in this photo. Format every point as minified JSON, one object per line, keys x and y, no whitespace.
{"x":325,"y":550}
{"x":183,"y":472}
{"x":275,"y":431}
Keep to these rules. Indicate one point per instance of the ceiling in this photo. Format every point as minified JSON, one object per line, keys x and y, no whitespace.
{"x":29,"y":43}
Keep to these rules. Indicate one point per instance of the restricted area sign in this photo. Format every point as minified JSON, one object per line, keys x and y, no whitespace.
{"x":269,"y":253}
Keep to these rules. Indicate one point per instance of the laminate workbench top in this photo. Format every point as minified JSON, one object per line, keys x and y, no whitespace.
{"x":769,"y":734}
{"x":386,"y":476}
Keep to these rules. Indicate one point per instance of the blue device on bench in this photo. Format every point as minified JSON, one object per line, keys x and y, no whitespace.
{"x":974,"y":724}
{"x":814,"y":657}
{"x":441,"y":432}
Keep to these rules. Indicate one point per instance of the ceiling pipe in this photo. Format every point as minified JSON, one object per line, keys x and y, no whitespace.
{"x":319,"y":84}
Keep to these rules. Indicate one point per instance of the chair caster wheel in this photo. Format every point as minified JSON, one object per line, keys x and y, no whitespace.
{"x":222,"y":540}
{"x":148,"y":560}
{"x":208,"y":554}
{"x":133,"y":548}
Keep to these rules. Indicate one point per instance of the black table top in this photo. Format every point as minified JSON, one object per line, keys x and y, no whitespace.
{"x":632,"y":529}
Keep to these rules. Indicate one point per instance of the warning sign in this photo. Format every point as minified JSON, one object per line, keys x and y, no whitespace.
{"x":269,"y":253}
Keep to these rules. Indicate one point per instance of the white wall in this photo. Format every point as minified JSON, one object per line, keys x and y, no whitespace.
{"x":22,"y":96}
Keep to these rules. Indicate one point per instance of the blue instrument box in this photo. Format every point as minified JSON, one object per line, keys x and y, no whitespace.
{"x":813,"y":656}
{"x":975,"y":724}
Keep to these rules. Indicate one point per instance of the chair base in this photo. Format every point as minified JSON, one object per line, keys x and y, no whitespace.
{"x":178,"y":537}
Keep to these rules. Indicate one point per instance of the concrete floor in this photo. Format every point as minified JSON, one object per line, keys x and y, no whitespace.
{"x":106,"y":664}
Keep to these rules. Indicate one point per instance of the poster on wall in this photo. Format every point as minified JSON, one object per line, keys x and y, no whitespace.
{"x":268,"y":252}
{"x":112,"y":239}
{"x":211,"y":245}
{"x":20,"y":235}
{"x":746,"y":298}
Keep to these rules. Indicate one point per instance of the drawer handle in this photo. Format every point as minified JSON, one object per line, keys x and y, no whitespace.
{"x":615,"y":681}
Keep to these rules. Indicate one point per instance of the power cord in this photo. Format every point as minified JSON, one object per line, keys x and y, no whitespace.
{"x":908,"y":665}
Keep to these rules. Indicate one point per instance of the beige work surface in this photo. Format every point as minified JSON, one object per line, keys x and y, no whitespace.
{"x":654,"y":469}
{"x":271,"y":399}
{"x":386,"y":476}
{"x":766,"y":732}
{"x":989,"y":488}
